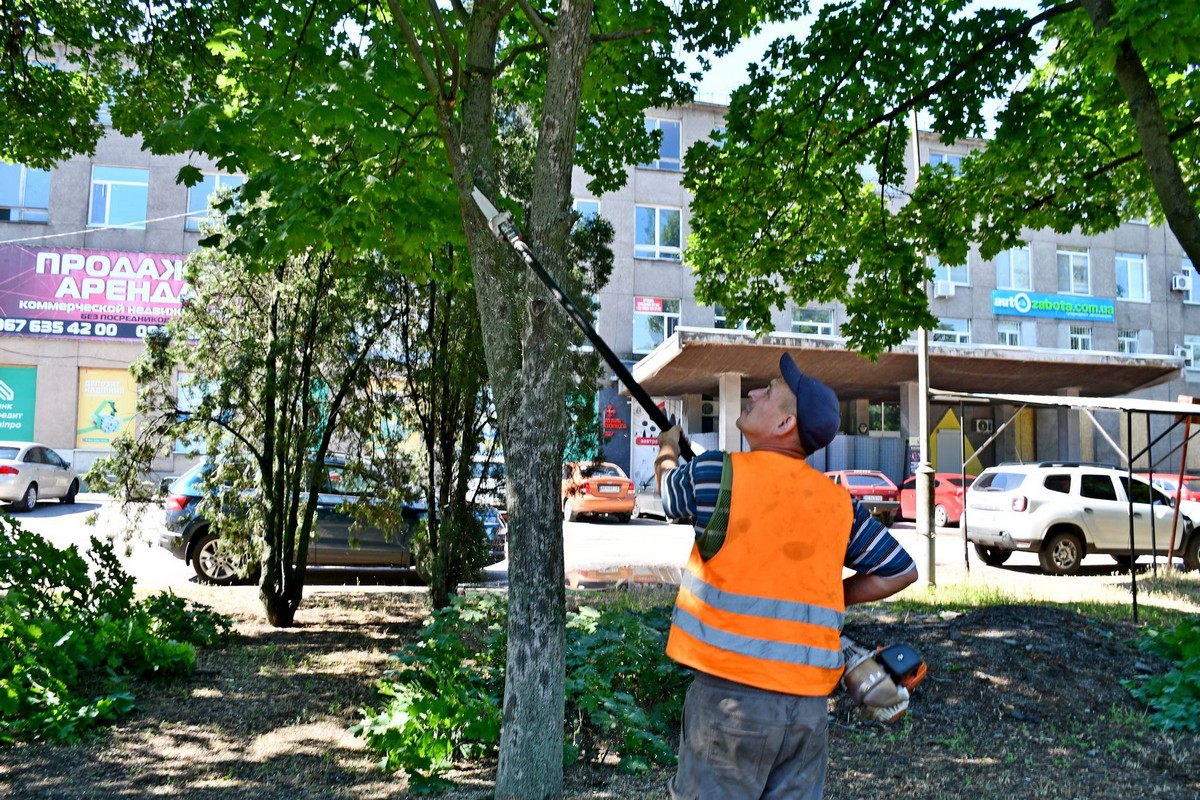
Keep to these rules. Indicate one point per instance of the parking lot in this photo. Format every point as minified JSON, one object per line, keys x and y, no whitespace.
{"x":597,"y":554}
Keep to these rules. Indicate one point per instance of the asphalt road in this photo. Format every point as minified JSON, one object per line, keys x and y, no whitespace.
{"x":597,"y":553}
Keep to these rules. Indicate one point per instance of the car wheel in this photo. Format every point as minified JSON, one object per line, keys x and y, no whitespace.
{"x":623,"y":518}
{"x":992,"y":556}
{"x":1191,"y":552}
{"x":28,"y":501}
{"x":1061,"y":554}
{"x":941,"y":517}
{"x":69,"y":497}
{"x":212,"y":564}
{"x":569,"y":510}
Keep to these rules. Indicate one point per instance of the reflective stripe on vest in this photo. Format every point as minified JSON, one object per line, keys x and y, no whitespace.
{"x":767,"y":609}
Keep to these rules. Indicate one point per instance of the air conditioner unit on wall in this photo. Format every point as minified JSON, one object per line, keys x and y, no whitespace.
{"x":1186,"y":352}
{"x":1181,"y":282}
{"x":983,"y":426}
{"x":943,"y":289}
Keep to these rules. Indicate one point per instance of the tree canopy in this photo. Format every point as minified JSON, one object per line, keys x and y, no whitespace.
{"x":806,"y":196}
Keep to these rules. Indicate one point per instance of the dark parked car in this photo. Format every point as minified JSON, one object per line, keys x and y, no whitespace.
{"x":337,"y":541}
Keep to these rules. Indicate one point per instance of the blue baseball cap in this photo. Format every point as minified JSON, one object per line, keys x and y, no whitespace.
{"x":817,"y":415}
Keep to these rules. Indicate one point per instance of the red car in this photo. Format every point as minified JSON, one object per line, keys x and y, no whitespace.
{"x":596,"y":488}
{"x":871,"y":488}
{"x":1168,"y":482}
{"x":948,"y":493}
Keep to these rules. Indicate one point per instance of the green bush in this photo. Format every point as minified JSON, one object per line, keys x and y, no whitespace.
{"x":1174,"y":697}
{"x":443,"y":700}
{"x":75,"y":638}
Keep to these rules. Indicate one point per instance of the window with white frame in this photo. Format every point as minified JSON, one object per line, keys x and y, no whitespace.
{"x":1008,"y":332}
{"x":1128,"y":341}
{"x":1132,"y":282}
{"x":670,"y":147}
{"x":24,"y":193}
{"x":119,"y":196}
{"x":956,"y":274}
{"x":722,"y":320}
{"x":813,"y":321}
{"x":1081,"y":337}
{"x":1192,"y":295}
{"x":1190,"y":351}
{"x":1074,"y":271}
{"x":586,"y":208}
{"x":201,"y":196}
{"x":1012,"y":269}
{"x":654,"y":319}
{"x":951,"y":331}
{"x":658,"y":233}
{"x":955,"y":161}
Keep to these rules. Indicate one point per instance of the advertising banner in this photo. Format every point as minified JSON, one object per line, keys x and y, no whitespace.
{"x":18,"y":398}
{"x":107,"y":402}
{"x":92,"y":294}
{"x":1006,"y":302}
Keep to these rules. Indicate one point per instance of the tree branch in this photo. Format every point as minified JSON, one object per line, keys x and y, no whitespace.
{"x":535,"y":19}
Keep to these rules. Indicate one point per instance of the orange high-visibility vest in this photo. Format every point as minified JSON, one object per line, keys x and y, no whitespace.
{"x":767,"y":609}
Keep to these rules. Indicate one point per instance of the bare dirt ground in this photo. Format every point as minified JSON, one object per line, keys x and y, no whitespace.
{"x":1020,"y":702}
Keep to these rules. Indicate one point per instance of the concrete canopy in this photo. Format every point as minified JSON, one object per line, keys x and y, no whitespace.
{"x":692,"y":359}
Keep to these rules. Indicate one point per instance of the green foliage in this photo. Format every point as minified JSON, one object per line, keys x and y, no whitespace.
{"x":76,"y":639}
{"x":1174,"y":697}
{"x":810,"y":196}
{"x":442,"y":699}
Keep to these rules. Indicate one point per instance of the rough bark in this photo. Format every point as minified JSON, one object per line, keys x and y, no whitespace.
{"x":1162,"y":166}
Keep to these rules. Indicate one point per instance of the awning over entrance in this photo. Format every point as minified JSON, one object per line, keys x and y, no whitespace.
{"x":691,"y":361}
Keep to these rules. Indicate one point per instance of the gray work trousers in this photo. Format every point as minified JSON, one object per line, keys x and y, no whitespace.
{"x":741,"y":742}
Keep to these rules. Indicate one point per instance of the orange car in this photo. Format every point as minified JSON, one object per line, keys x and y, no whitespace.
{"x":593,"y":487}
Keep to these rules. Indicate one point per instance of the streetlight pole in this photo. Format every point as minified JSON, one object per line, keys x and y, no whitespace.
{"x":924,"y":475}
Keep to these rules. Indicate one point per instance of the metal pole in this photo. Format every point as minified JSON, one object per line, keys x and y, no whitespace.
{"x":924,"y":482}
{"x":1132,"y":571}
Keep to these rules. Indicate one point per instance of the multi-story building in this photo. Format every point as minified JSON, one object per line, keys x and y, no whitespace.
{"x":91,"y":254}
{"x":1062,"y":315}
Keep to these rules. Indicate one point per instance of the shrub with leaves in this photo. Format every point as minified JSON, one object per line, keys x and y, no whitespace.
{"x":75,"y":638}
{"x":1174,"y":697}
{"x":443,"y":699}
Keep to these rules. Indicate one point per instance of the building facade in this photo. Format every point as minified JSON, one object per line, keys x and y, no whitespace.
{"x":91,"y":257}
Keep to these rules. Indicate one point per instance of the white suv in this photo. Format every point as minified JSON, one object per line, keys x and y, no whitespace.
{"x":1064,"y":511}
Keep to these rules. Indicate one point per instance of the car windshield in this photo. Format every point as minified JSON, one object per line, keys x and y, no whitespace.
{"x":602,"y":471}
{"x":998,"y":481}
{"x":866,"y":480}
{"x":9,"y":452}
{"x":956,"y":480}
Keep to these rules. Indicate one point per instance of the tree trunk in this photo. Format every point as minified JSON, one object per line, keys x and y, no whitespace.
{"x":1161,"y":163}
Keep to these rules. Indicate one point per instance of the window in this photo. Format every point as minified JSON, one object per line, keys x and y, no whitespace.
{"x":1097,"y":487}
{"x":1131,"y":277}
{"x":1058,"y":483}
{"x":720,"y":320}
{"x":669,"y":148}
{"x":119,"y":197}
{"x":1012,"y":269}
{"x":1189,"y":351}
{"x":1128,"y":341}
{"x":884,"y":417}
{"x":200,"y":196}
{"x":1191,"y":295}
{"x":1009,"y":333}
{"x":955,"y":274}
{"x":955,"y":162}
{"x":1081,"y":337}
{"x":654,"y":319}
{"x":24,"y":193}
{"x":1074,"y":271}
{"x":586,"y":209}
{"x":657,"y":233}
{"x":813,"y":321}
{"x":952,"y":331}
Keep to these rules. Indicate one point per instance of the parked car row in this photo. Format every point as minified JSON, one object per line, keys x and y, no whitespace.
{"x":337,"y":540}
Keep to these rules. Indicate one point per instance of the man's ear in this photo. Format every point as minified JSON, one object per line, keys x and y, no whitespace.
{"x":788,"y":425}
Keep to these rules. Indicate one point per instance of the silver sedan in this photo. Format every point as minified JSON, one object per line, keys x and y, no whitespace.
{"x":30,"y":472}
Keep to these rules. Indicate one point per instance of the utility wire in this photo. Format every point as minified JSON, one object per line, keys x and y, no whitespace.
{"x":124,"y":226}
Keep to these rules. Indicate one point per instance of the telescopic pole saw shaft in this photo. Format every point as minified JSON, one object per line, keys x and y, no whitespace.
{"x":502,"y":226}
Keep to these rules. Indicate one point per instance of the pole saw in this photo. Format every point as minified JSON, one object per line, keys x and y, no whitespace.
{"x":501,"y":224}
